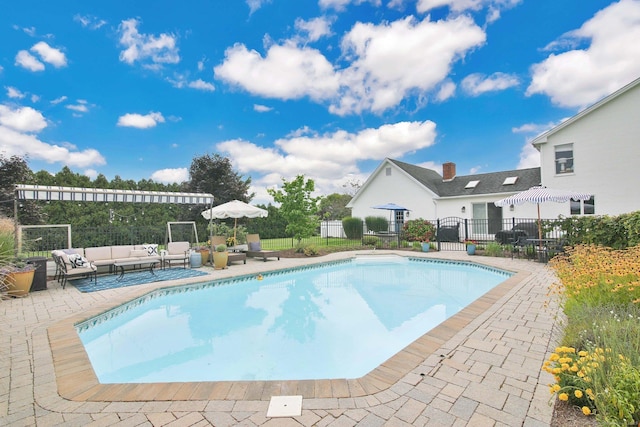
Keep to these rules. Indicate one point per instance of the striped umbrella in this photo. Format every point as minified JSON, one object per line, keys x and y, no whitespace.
{"x":540,"y":194}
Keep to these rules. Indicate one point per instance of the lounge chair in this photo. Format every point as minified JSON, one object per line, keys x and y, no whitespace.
{"x":232,"y":256}
{"x":256,"y":251}
{"x":176,"y":252}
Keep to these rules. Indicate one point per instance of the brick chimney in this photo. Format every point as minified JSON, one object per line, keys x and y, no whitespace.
{"x":448,"y":171}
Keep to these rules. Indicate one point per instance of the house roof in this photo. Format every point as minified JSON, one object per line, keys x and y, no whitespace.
{"x":542,"y":138}
{"x":488,"y":183}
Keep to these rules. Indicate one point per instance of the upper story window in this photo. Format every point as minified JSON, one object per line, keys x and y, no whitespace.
{"x":387,"y":171}
{"x":564,"y":158}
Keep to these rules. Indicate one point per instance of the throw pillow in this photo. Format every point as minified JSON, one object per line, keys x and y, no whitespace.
{"x":77,"y":261}
{"x":152,"y":249}
{"x":255,"y":246}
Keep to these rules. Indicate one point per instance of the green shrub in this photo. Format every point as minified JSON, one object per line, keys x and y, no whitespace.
{"x":376,"y":223}
{"x":493,"y":249}
{"x":310,"y":250}
{"x":352,"y":227}
{"x":371,"y":241}
{"x":416,"y":246}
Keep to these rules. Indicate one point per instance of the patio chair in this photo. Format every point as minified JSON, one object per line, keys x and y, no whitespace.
{"x":73,"y":266}
{"x":176,"y":252}
{"x":256,"y":251}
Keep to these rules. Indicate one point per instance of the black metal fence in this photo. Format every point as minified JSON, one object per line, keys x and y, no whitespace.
{"x":451,"y":233}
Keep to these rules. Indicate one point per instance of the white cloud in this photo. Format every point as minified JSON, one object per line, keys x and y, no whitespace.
{"x":580,"y":77}
{"x":140,"y":121}
{"x":59,"y":100}
{"x":24,"y":119}
{"x":28,"y":61}
{"x":340,"y":5}
{"x":17,"y":137}
{"x":149,"y":50}
{"x":176,"y":175}
{"x":35,"y":98}
{"x":446,"y":91}
{"x":50,"y":54}
{"x":386,"y":67}
{"x":202,"y":85}
{"x":327,"y":157}
{"x":533,"y":128}
{"x":287,"y":72}
{"x":261,"y":108}
{"x":91,"y":173}
{"x":459,"y":6}
{"x":256,"y":4}
{"x":529,"y":156}
{"x":315,"y":28}
{"x":12,"y":92}
{"x":477,"y":84}
{"x":81,"y":106}
{"x":89,"y":21}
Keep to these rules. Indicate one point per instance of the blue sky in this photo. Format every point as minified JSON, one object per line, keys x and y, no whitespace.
{"x":324,"y":88}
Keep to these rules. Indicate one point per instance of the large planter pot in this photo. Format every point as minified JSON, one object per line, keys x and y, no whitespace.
{"x":425,"y":246}
{"x":205,"y":256}
{"x":20,"y":282}
{"x":471,"y":249}
{"x":220,"y":260}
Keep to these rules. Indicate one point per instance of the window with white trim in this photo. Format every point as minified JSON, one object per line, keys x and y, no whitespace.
{"x":564,"y":158}
{"x":586,"y":207}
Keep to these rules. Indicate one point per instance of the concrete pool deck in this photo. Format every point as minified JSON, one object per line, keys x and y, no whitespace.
{"x":480,"y":367}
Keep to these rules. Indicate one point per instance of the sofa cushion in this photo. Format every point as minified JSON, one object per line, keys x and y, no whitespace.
{"x":137,"y":253}
{"x":99,"y":253}
{"x":178,"y":248}
{"x":121,"y":251}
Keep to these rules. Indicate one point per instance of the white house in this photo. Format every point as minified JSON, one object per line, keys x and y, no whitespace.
{"x":594,"y":152}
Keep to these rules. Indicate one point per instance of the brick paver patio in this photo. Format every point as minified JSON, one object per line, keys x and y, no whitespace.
{"x":481,"y":367}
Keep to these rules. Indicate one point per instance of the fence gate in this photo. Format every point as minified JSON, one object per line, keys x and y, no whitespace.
{"x":450,"y":233}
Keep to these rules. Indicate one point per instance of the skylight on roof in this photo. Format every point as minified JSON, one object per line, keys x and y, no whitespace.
{"x":471,"y":184}
{"x":510,"y":180}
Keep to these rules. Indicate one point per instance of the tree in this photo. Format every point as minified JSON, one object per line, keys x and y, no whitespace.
{"x":333,"y":206}
{"x":297,"y":206}
{"x":14,"y":170}
{"x":215,"y":175}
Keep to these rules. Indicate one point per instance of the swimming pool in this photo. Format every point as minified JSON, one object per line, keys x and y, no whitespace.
{"x":336,"y":320}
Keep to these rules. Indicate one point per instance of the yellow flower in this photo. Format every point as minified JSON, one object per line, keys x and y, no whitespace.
{"x":556,"y":388}
{"x":586,"y":410}
{"x":563,"y":396}
{"x":582,"y":353}
{"x":578,"y":393}
{"x":554,"y":357}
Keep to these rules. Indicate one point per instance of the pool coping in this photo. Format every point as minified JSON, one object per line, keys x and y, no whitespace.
{"x":76,"y":380}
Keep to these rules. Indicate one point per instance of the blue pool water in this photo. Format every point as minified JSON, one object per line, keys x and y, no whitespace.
{"x":337,"y":320}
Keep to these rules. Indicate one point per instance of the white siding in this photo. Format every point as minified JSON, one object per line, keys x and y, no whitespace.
{"x":606,"y":151}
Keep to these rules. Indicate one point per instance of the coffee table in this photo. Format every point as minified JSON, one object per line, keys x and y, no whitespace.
{"x":142,"y":263}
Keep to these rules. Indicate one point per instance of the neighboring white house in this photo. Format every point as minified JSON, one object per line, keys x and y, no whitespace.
{"x":595,"y":151}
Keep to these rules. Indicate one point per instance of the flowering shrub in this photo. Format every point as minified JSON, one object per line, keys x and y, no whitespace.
{"x":572,"y":372}
{"x":599,"y":367}
{"x":418,"y":230}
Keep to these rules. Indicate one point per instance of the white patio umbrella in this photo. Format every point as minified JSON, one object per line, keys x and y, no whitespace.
{"x":540,"y":194}
{"x":234,"y":209}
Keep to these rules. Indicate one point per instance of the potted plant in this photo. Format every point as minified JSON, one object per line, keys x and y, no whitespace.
{"x":471,"y":246}
{"x":220,"y":257}
{"x":17,"y":276}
